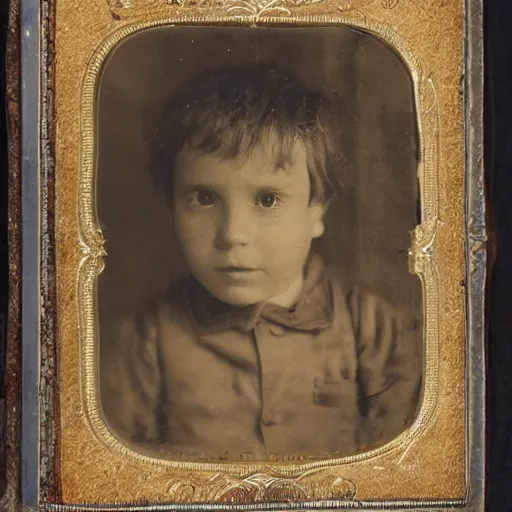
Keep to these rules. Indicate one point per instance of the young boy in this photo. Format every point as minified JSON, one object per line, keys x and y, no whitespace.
{"x":258,"y":354}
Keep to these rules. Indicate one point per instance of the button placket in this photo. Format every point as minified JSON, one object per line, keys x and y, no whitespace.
{"x":276,"y":330}
{"x":268,"y":348}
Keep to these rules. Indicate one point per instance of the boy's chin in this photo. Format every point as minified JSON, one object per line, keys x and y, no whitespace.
{"x":252,"y":293}
{"x":239,"y":298}
{"x":237,"y":301}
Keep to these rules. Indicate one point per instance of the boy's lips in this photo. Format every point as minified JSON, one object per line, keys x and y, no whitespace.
{"x":236,"y":268}
{"x":237,"y":274}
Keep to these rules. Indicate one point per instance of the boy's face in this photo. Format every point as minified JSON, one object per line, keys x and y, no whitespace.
{"x":244,"y":227}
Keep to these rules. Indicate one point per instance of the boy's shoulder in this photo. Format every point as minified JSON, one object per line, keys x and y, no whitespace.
{"x":383,"y":331}
{"x":367,"y":307}
{"x":170,"y":307}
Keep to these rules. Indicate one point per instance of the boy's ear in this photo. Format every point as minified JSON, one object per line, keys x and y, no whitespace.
{"x":317,"y":211}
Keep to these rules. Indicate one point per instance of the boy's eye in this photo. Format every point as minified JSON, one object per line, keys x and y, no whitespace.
{"x":204,"y":197}
{"x":267,"y":200}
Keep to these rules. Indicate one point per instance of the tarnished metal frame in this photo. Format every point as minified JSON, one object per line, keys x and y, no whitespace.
{"x":31,"y":261}
{"x":38,"y":281}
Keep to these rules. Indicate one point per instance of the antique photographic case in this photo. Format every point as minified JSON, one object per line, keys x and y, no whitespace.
{"x":248,"y":255}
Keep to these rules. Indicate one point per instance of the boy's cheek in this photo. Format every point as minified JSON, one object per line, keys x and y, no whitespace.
{"x":190,"y":226}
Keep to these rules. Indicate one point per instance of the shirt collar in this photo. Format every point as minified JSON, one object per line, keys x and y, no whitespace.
{"x":312,"y":311}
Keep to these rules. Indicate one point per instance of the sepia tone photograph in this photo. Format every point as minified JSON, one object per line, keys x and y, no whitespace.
{"x":257,"y":190}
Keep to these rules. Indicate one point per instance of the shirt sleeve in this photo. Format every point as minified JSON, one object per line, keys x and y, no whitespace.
{"x":130,"y":380}
{"x":390,"y":366}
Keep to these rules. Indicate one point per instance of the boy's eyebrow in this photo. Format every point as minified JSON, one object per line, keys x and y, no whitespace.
{"x":278,"y":181}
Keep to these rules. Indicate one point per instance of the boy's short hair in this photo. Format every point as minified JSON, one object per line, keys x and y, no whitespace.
{"x":230,"y":111}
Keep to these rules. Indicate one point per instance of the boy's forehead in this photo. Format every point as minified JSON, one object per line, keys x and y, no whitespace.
{"x":265,"y":156}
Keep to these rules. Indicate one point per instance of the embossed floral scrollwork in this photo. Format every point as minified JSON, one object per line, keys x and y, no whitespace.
{"x":260,"y":7}
{"x":421,"y":244}
{"x":389,"y":4}
{"x":261,"y":488}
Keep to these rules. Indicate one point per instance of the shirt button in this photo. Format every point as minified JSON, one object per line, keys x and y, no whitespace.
{"x":268,"y":419}
{"x":276,"y":330}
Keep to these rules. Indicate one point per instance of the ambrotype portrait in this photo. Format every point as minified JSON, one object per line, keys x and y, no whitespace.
{"x":257,"y":189}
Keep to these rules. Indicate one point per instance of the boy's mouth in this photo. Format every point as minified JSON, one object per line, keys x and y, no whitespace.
{"x":236,"y":268}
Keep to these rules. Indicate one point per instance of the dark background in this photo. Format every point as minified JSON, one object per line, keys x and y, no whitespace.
{"x":498,"y":161}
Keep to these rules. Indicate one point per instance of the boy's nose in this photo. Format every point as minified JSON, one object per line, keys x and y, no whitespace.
{"x":234,"y":229}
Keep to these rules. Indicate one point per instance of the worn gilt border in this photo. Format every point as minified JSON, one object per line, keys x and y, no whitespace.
{"x":420,"y":255}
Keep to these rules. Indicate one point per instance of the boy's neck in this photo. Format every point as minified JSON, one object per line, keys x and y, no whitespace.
{"x":289,"y":297}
